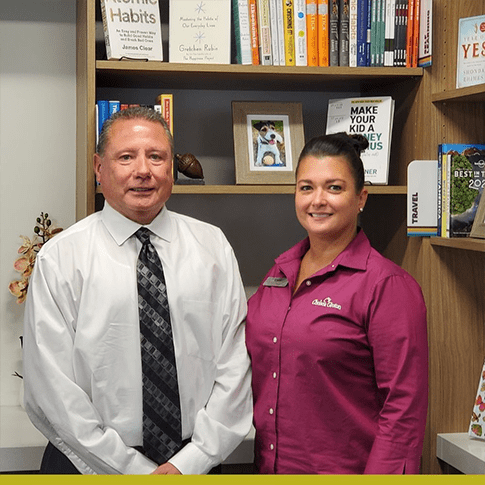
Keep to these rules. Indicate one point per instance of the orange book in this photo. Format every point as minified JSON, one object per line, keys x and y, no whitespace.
{"x":253,"y":30}
{"x":312,"y":32}
{"x":166,"y":103}
{"x":323,"y":30}
{"x":417,"y":20}
{"x":409,"y":34}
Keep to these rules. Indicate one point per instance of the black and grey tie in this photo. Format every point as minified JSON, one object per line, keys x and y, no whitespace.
{"x":162,"y":435}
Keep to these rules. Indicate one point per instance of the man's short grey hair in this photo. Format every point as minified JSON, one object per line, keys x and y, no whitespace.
{"x":136,"y":112}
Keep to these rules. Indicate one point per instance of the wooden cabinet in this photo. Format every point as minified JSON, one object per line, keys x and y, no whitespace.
{"x":259,"y":220}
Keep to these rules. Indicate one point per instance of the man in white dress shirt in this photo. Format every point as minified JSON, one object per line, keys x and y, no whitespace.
{"x":82,"y":361}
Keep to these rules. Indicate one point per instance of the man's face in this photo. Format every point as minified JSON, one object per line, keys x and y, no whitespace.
{"x":135,"y":171}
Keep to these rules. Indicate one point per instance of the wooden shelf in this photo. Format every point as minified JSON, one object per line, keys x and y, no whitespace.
{"x":268,"y":189}
{"x":236,"y":76}
{"x":469,"y":94}
{"x":467,"y":243}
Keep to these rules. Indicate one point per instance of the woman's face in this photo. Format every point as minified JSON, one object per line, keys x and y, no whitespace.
{"x":326,"y":200}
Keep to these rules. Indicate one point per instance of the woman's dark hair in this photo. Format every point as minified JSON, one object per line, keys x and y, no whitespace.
{"x":341,"y":145}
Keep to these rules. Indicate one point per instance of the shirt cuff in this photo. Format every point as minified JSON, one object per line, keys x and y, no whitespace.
{"x":190,"y":460}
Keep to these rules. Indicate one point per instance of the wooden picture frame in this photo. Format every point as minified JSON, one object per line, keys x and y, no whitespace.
{"x":268,"y":139}
{"x":478,"y":228}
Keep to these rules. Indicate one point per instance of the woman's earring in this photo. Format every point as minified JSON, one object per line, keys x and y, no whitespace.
{"x":361,"y":209}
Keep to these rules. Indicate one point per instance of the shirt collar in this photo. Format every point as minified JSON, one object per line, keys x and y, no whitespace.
{"x":121,"y":228}
{"x":355,"y":255}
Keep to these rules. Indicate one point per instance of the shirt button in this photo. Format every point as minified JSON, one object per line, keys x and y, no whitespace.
{"x":274,"y":375}
{"x":308,"y":282}
{"x":271,"y":411}
{"x":275,"y":339}
{"x":271,"y":446}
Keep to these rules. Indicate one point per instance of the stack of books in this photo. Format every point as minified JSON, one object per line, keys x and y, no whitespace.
{"x":354,"y":33}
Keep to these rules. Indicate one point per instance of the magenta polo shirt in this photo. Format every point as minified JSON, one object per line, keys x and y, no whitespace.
{"x":340,"y":369}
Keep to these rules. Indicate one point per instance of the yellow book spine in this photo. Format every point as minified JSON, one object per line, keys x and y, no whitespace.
{"x":289,"y":24}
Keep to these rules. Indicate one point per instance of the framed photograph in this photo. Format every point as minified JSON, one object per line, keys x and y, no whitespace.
{"x":268,"y":138}
{"x":478,"y":228}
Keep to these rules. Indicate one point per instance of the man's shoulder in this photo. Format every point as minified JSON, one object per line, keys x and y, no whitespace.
{"x":196,"y":226}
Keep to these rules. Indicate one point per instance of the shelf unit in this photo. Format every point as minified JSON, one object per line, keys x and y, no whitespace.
{"x":429,"y":111}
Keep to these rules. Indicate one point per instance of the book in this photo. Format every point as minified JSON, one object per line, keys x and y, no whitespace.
{"x":362,"y":32}
{"x":300,"y":33}
{"x":200,"y":32}
{"x":333,"y":32}
{"x":400,"y":33}
{"x":323,"y":32}
{"x":369,"y":32}
{"x":373,"y":34}
{"x":343,"y":33}
{"x":477,"y":420}
{"x":417,"y":17}
{"x":241,"y":31}
{"x":280,"y":27}
{"x":289,"y":31}
{"x":390,"y":22}
{"x":353,"y":33}
{"x":422,"y":198}
{"x":463,"y":186}
{"x":165,"y":101}
{"x":409,"y":34}
{"x":132,"y":31}
{"x":312,"y":32}
{"x":373,"y":118}
{"x":425,"y":50}
{"x":264,"y":29}
{"x":275,"y":41}
{"x":102,"y":114}
{"x":381,"y":32}
{"x":470,"y":64}
{"x":253,"y":31}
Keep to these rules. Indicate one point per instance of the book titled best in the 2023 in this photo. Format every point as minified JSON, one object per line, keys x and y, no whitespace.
{"x":200,"y":31}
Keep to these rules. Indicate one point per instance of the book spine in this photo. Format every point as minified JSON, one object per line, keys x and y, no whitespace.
{"x":390,"y":27}
{"x":300,"y":33}
{"x":289,"y":25}
{"x":361,"y":32}
{"x":417,"y":17}
{"x":343,"y":33}
{"x":113,"y":106}
{"x":369,"y":32}
{"x":323,"y":31}
{"x":166,"y":103}
{"x":409,"y":33}
{"x":280,"y":25}
{"x":425,"y":33}
{"x":353,"y":33}
{"x":253,"y":24}
{"x":264,"y":29}
{"x":333,"y":32}
{"x":241,"y":31}
{"x":107,"y":41}
{"x":311,"y":32}
{"x":373,"y":36}
{"x":273,"y":20}
{"x":381,"y":32}
{"x":103,"y":115}
{"x":439,"y":192}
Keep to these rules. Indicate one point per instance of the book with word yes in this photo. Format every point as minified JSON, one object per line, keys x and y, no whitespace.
{"x":373,"y":118}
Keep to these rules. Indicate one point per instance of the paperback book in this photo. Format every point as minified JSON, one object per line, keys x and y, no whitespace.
{"x":132,"y":30}
{"x":373,"y":118}
{"x":462,"y":174}
{"x":200,"y":32}
{"x":470,"y":59}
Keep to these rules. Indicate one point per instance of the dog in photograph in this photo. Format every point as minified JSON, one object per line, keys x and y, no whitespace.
{"x":268,"y":152}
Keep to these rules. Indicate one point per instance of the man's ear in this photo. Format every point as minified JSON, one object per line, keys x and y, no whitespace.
{"x":97,"y":167}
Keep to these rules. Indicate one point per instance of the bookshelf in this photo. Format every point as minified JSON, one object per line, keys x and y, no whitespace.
{"x":429,"y":111}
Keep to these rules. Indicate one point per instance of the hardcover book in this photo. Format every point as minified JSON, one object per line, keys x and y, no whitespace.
{"x":373,"y":118}
{"x":462,"y":185}
{"x":470,"y":68}
{"x":343,"y":33}
{"x":333,"y":33}
{"x":200,"y":32}
{"x":241,"y":31}
{"x":132,"y":30}
{"x":264,"y":29}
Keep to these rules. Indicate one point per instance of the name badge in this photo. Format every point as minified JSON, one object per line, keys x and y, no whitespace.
{"x":272,"y":281}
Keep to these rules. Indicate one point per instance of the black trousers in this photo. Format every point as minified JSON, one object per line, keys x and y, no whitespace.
{"x":54,"y":462}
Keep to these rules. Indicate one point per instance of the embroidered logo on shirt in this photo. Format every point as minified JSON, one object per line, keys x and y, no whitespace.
{"x":327,"y":302}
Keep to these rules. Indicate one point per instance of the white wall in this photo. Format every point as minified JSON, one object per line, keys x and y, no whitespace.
{"x":37,"y":145}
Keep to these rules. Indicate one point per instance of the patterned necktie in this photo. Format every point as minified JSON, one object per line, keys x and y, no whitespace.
{"x":162,"y":433}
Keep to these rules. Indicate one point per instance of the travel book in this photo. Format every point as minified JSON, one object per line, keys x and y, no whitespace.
{"x":470,"y":59}
{"x":462,"y":180}
{"x":373,"y":118}
{"x":132,"y":30}
{"x":200,"y":32}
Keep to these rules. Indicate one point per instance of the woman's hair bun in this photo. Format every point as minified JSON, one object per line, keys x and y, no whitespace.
{"x":360,"y":142}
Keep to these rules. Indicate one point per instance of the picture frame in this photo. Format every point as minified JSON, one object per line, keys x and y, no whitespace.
{"x":268,"y":138}
{"x":478,"y":228}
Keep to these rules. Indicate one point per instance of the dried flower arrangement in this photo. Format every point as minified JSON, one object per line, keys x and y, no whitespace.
{"x":25,"y":263}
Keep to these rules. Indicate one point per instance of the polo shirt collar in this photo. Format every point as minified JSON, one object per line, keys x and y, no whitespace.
{"x":121,"y":228}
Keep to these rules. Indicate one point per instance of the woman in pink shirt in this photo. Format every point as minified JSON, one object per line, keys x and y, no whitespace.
{"x":337,"y":336}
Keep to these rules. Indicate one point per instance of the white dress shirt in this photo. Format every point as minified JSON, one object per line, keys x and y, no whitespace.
{"x":82,"y":361}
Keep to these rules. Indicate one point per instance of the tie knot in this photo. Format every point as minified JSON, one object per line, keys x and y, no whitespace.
{"x":143,"y":234}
